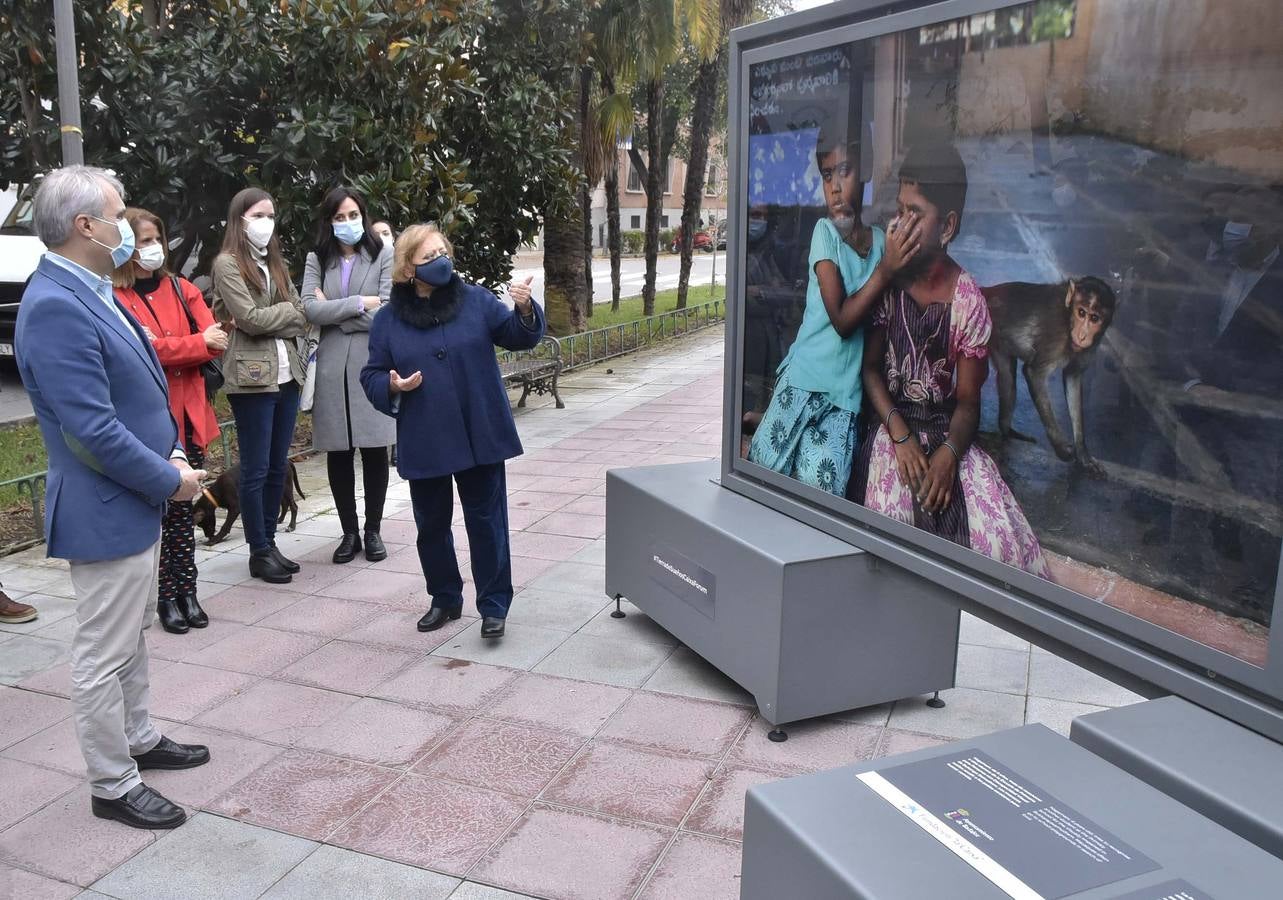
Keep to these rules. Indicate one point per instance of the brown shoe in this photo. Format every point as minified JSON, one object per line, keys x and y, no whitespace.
{"x":13,"y":612}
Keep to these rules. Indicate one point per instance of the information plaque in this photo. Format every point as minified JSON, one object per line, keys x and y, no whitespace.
{"x":1014,"y":833}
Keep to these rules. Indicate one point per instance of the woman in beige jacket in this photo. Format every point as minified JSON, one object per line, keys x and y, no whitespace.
{"x":262,"y":368}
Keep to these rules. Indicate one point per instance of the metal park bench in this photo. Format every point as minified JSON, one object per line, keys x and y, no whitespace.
{"x":534,"y":370}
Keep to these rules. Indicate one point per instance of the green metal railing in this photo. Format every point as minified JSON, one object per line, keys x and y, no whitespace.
{"x":600,"y":344}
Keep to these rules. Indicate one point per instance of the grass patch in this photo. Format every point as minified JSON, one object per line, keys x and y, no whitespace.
{"x":22,"y":452}
{"x":630,"y":308}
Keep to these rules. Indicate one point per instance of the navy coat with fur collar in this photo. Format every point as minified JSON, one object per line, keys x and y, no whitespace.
{"x":459,"y":417}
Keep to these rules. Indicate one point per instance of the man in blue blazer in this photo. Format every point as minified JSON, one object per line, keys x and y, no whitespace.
{"x":100,"y":397}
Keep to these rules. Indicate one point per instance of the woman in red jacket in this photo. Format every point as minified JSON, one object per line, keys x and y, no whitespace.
{"x":185,"y":336}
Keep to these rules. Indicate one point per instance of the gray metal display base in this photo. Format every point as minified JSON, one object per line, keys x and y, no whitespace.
{"x":805,"y":623}
{"x":1212,"y":765}
{"x":828,"y":835}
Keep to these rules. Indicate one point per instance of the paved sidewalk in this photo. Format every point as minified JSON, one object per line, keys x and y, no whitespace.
{"x":580,"y":757}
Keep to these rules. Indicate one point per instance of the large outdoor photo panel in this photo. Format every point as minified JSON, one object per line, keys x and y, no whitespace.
{"x":1083,"y":358}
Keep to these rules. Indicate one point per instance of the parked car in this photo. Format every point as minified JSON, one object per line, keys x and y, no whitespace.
{"x":703,"y":241}
{"x":721,"y":235}
{"x":20,"y":251}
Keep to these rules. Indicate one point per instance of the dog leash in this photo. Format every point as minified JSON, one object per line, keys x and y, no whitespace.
{"x":210,"y":497}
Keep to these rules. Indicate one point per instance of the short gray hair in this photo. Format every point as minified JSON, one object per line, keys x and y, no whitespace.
{"x":66,"y":193}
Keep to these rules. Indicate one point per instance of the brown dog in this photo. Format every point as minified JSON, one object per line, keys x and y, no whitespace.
{"x":224,"y":493}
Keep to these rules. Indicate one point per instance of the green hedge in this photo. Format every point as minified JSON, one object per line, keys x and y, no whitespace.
{"x":634,"y":241}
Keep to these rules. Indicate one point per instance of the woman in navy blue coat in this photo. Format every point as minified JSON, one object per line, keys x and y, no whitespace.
{"x":433,"y":368}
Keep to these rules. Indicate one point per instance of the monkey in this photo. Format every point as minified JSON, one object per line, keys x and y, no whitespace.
{"x":1048,"y":326}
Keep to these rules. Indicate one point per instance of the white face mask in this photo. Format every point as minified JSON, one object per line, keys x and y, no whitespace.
{"x":259,"y":232}
{"x":151,"y":257}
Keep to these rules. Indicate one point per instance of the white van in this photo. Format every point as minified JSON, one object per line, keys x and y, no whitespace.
{"x":20,"y":251}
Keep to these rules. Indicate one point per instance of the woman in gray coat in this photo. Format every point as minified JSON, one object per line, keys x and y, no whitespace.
{"x":347,"y":278}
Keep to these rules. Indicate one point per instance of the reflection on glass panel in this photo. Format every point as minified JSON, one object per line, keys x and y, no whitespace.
{"x":1015,"y":279}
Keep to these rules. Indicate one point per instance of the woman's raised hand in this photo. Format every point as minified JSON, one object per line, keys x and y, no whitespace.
{"x":519,"y":291}
{"x":399,"y":385}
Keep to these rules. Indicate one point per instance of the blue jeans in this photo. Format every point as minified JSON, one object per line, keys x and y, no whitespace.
{"x":483,"y":494}
{"x":264,"y":429}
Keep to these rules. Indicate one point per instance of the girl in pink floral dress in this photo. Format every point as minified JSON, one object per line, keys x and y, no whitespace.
{"x":924,"y":364}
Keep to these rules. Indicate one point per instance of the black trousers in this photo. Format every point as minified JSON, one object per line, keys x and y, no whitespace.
{"x":483,"y":493}
{"x":374,"y":476}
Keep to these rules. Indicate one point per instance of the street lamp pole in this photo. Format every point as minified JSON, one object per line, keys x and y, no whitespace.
{"x":64,"y":25}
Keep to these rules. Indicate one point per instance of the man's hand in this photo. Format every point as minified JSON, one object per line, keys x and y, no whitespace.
{"x":399,"y":385}
{"x":190,"y":486}
{"x":519,"y":291}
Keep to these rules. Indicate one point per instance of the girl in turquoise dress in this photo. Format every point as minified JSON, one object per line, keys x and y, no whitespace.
{"x":809,"y":429}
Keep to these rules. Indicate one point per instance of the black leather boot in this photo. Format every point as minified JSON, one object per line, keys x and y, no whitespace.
{"x":171,"y":618}
{"x":264,"y":565}
{"x":287,"y":564}
{"x":189,"y":606}
{"x":492,"y":627}
{"x":374,"y":549}
{"x":347,"y":549}
{"x":436,"y":617}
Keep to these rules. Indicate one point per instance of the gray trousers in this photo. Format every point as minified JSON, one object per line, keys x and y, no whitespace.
{"x":115,"y":602}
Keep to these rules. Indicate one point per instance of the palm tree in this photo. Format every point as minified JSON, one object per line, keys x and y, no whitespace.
{"x":708,"y":78}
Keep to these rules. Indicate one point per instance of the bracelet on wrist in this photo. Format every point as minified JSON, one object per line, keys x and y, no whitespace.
{"x":954,"y":450}
{"x":907,"y":435}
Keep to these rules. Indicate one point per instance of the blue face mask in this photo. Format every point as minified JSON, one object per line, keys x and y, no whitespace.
{"x":124,"y":251}
{"x":756,"y":229}
{"x":349,"y":232}
{"x":437,"y":272}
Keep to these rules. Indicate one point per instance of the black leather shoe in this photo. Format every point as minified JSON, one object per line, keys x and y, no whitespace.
{"x":171,"y":618}
{"x":347,"y":549}
{"x":140,"y":808}
{"x":173,"y":755}
{"x":436,"y":617}
{"x":287,"y":564}
{"x":491,"y":627}
{"x":374,"y":549}
{"x":190,"y":608}
{"x":265,"y":566}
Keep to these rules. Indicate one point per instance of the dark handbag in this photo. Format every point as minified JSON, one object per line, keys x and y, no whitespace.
{"x":211,"y":371}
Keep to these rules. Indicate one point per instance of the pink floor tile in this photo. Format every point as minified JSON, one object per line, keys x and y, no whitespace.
{"x":17,"y":883}
{"x":573,"y":524}
{"x":631,"y":784}
{"x":811,"y":746}
{"x":378,"y":732}
{"x":453,"y":685}
{"x":679,"y":724}
{"x":231,"y":758}
{"x":24,"y":713}
{"x":182,"y":647}
{"x":523,"y":519}
{"x":276,"y":712}
{"x":55,"y":747}
{"x":257,"y":651}
{"x":397,"y":631}
{"x":27,"y":788}
{"x":546,"y":546}
{"x":696,"y":866}
{"x":67,"y":842}
{"x":303,"y":793}
{"x":406,"y":561}
{"x":547,"y":855}
{"x":526,"y":569}
{"x":538,"y":500}
{"x":399,"y":531}
{"x":515,"y":759}
{"x":562,"y":704}
{"x":548,"y":484}
{"x":397,"y":589}
{"x":246,"y":604}
{"x":720,"y":811}
{"x":313,"y":579}
{"x":183,"y":691}
{"x":326,"y":617}
{"x":57,"y":681}
{"x":430,"y":823}
{"x":895,"y":741}
{"x":586,"y":506}
{"x":348,"y":667}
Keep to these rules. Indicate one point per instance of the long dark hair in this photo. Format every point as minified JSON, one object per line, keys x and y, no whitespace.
{"x":327,"y":245}
{"x":236,"y":244}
